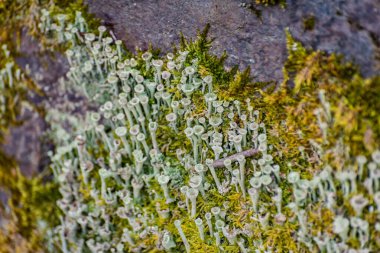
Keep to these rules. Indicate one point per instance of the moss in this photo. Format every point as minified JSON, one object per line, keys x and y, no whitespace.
{"x":70,"y":7}
{"x":282,"y":3}
{"x":309,"y":23}
{"x":29,"y":205}
{"x":208,"y":63}
{"x":280,"y":238}
{"x":257,"y":6}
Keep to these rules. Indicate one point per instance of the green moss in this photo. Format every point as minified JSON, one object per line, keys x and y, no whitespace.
{"x":309,"y":23}
{"x":29,"y":205}
{"x":70,"y":7}
{"x":282,"y":3}
{"x":208,"y":63}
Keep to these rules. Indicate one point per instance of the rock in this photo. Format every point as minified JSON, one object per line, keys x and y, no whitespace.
{"x":27,"y":143}
{"x":343,"y":26}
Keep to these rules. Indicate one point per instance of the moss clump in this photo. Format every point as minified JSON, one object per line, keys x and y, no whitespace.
{"x":29,"y":212}
{"x":309,"y":23}
{"x":208,"y":63}
{"x":282,"y":3}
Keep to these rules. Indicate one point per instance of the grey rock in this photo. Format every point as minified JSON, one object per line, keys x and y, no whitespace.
{"x":28,"y":143}
{"x":349,"y":27}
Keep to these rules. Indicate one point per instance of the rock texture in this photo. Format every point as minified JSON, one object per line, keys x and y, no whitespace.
{"x":348,"y":27}
{"x":28,"y":143}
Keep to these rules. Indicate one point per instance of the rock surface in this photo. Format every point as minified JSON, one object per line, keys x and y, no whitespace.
{"x":348,"y":27}
{"x":28,"y":143}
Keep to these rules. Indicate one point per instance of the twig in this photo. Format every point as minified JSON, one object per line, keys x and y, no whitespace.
{"x":247,"y":153}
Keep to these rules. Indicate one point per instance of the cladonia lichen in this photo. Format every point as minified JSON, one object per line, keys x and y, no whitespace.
{"x":178,"y":154}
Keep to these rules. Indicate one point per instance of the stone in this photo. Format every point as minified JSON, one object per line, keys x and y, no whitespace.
{"x":347,"y":27}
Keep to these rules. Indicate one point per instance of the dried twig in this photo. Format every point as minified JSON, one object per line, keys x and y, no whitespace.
{"x":247,"y":153}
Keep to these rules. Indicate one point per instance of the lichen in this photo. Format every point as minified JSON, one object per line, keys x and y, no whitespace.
{"x":319,"y":127}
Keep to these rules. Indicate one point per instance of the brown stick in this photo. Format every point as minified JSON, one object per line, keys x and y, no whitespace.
{"x":247,"y":153}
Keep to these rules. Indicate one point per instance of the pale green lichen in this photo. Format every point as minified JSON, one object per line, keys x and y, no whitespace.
{"x":283,"y":136}
{"x":316,"y":128}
